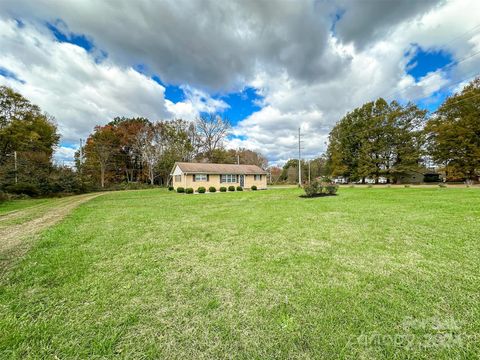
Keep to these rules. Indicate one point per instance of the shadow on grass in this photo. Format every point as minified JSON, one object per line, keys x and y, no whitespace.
{"x":316,"y":196}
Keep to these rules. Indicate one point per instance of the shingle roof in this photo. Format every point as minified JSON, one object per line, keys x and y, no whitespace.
{"x":206,"y":168}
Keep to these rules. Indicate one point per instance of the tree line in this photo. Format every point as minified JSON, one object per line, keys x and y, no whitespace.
{"x":125,"y":151}
{"x":390,"y":140}
{"x":378,"y":139}
{"x":28,"y":138}
{"x":136,"y":150}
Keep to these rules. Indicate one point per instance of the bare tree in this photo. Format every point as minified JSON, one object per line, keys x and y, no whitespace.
{"x":102,"y":145}
{"x":149,"y":143}
{"x":211,"y":130}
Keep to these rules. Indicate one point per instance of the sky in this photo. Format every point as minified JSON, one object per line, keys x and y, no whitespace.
{"x":268,"y":66}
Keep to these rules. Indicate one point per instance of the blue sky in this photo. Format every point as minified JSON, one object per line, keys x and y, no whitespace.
{"x":424,"y":62}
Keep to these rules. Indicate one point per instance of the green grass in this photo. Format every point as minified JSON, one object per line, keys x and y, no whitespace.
{"x":371,"y":273}
{"x":13,"y":205}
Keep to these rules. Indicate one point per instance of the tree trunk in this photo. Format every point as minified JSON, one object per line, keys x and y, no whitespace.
{"x":150,"y":171}
{"x":102,"y":175}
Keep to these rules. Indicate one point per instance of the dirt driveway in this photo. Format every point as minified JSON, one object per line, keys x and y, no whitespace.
{"x":19,"y":225}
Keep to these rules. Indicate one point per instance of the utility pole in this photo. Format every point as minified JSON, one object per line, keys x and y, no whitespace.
{"x":15,"y":166}
{"x":299,"y":159}
{"x":81,"y":156}
{"x":309,"y":171}
{"x":81,"y":150}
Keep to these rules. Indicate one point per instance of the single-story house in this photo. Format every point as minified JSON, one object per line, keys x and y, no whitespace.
{"x":195,"y":175}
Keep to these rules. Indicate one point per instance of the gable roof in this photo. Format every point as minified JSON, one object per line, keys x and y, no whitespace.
{"x":206,"y":168}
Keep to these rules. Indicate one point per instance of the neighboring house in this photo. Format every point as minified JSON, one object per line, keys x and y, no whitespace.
{"x":195,"y":175}
{"x":340,"y":180}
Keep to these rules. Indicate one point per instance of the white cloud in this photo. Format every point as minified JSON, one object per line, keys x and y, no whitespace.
{"x":306,"y":75}
{"x":64,"y":80}
{"x":65,"y":156}
{"x":371,"y":72}
{"x":67,"y":82}
{"x":195,"y":102}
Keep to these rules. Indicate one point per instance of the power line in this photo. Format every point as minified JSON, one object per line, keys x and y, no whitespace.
{"x":462,"y":100}
{"x":462,"y":34}
{"x":397,"y":92}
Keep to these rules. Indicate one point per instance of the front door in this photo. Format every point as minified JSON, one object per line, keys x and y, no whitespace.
{"x":242,"y":181}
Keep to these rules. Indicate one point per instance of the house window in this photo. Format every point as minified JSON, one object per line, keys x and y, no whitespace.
{"x":228,"y":178}
{"x":200,"y":177}
{"x":178,"y":178}
{"x":257,"y":177}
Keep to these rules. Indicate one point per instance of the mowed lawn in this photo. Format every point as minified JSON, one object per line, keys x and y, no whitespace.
{"x":370,"y":273}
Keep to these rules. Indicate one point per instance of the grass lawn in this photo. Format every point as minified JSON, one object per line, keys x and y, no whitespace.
{"x":15,"y":205}
{"x":371,"y":273}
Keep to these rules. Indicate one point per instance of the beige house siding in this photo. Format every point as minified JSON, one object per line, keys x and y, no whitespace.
{"x":186,"y":181}
{"x":260,"y":184}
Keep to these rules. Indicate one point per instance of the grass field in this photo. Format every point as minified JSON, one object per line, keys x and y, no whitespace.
{"x":370,"y":273}
{"x":15,"y":205}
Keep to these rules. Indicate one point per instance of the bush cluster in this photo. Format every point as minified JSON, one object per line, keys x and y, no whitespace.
{"x":239,"y":188}
{"x":180,"y":190}
{"x":254,"y":187}
{"x":316,"y":188}
{"x":231,"y":188}
{"x":223,"y":189}
{"x":189,"y":190}
{"x":3,"y":196}
{"x":201,"y":190}
{"x":170,"y":188}
{"x":312,"y":189}
{"x":331,"y":189}
{"x":212,"y":189}
{"x":23,"y":189}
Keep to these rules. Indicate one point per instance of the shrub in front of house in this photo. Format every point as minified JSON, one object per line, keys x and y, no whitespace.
{"x":223,"y":189}
{"x":170,"y":188}
{"x":180,"y":190}
{"x":189,"y":190}
{"x":201,"y":190}
{"x":239,"y":188}
{"x":231,"y":188}
{"x":253,"y":187}
{"x":212,"y":189}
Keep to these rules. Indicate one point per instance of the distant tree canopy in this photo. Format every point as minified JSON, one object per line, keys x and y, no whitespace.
{"x":138,"y":150}
{"x":314,"y":168}
{"x":379,"y":139}
{"x":32,"y":136}
{"x":453,"y":133}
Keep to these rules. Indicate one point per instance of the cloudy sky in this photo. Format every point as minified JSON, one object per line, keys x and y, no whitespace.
{"x":269,"y":66}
